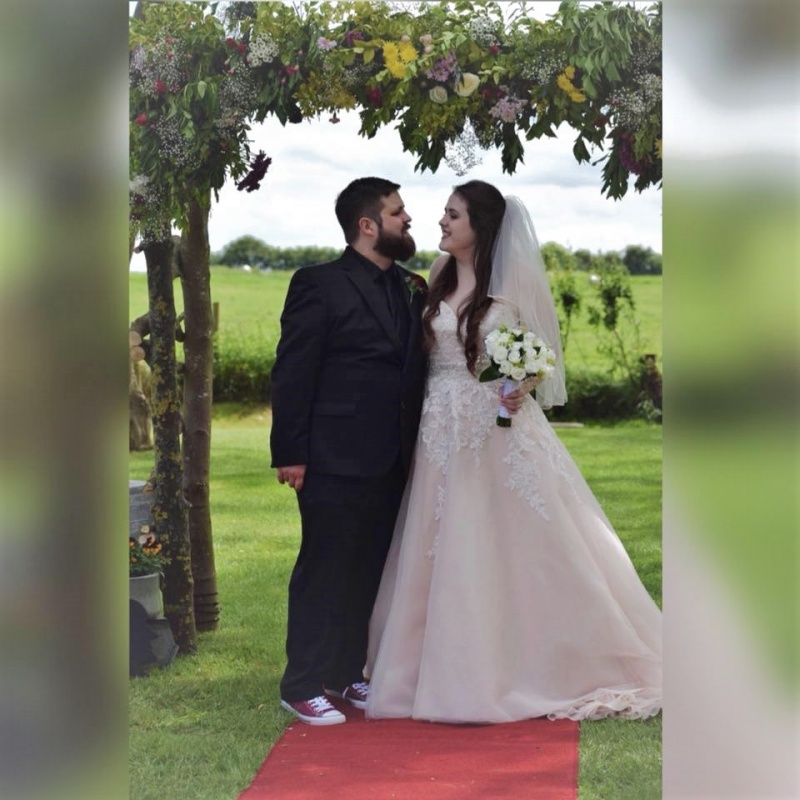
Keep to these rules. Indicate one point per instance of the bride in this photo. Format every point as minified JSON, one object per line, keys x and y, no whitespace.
{"x":506,"y":594}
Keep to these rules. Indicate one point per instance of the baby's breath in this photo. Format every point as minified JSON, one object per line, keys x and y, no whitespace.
{"x":237,"y":94}
{"x":483,"y":31}
{"x":162,"y":68}
{"x":464,"y":154}
{"x":541,"y":69}
{"x":631,"y":107}
{"x":262,"y":50}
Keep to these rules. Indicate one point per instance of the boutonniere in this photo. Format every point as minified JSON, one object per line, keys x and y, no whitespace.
{"x":414,"y":283}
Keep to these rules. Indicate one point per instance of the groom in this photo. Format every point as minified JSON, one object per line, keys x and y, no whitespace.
{"x":346,"y":401}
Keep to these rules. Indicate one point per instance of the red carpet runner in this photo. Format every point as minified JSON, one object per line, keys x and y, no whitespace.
{"x":407,"y":760}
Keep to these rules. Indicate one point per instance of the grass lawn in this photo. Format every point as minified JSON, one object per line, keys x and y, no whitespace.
{"x":250,"y":306}
{"x":201,"y":728}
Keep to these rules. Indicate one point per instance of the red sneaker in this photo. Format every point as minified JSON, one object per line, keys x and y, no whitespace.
{"x":316,"y":711}
{"x":356,"y":694}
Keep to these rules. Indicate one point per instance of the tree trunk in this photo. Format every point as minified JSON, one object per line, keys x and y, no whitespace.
{"x":197,"y":393}
{"x":169,"y":508}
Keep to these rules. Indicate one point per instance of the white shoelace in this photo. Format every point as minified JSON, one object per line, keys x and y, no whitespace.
{"x":320,"y":704}
{"x":361,"y":688}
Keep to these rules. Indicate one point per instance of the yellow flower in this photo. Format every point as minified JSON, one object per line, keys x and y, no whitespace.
{"x":567,"y":86}
{"x":659,"y":148}
{"x":397,"y":57}
{"x":564,"y":82}
{"x":570,"y":72}
{"x":408,"y":52}
{"x":467,"y":85}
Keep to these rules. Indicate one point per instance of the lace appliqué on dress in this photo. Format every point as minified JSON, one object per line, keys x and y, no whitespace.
{"x":459,"y":413}
{"x":440,"y":498}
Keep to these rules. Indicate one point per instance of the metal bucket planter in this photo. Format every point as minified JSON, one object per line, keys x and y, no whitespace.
{"x":146,"y":589}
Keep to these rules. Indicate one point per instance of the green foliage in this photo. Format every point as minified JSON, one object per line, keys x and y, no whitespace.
{"x":567,"y":297}
{"x":596,"y":395}
{"x":557,"y":257}
{"x":243,"y":361}
{"x":201,"y":728}
{"x":614,"y":319}
{"x":442,"y":73}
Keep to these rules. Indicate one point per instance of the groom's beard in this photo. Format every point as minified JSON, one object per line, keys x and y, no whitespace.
{"x":398,"y":248}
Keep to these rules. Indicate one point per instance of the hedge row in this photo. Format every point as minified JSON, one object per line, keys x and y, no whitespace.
{"x":245,"y":378}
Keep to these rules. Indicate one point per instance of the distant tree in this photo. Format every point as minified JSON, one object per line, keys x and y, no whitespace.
{"x":422,"y":259}
{"x":557,"y":257}
{"x":244,"y":250}
{"x":583,"y":260}
{"x":641,"y":260}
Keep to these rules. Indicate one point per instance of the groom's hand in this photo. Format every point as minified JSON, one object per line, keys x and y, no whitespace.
{"x":294,"y":476}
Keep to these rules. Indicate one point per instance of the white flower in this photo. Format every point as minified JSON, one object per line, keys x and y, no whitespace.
{"x":467,"y":85}
{"x":438,"y":94}
{"x":533,"y":365}
{"x":499,"y":353}
{"x":138,"y":184}
{"x":518,"y":373}
{"x":505,"y":367}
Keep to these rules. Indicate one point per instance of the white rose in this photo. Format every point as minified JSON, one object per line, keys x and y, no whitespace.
{"x":505,"y":367}
{"x":467,"y":85}
{"x":517,"y":373}
{"x":438,"y":94}
{"x":500,"y":353}
{"x":532,"y":365}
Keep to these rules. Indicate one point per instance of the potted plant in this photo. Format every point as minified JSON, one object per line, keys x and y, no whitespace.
{"x":145,"y":564}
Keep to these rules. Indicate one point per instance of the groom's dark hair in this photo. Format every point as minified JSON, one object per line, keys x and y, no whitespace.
{"x":362,"y":198}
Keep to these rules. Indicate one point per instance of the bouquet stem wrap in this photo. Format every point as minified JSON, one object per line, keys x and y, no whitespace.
{"x":503,"y":417}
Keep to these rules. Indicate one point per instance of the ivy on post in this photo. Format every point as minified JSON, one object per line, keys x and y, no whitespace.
{"x":169,"y":508}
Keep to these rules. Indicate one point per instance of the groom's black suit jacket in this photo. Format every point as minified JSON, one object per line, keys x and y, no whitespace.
{"x":346,"y":393}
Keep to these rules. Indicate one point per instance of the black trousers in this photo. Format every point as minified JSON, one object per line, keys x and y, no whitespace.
{"x":347,"y":525}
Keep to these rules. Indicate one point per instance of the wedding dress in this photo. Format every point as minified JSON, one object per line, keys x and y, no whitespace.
{"x":506,"y":594}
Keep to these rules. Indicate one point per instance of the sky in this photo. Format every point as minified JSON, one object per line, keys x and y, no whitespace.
{"x":314,"y":160}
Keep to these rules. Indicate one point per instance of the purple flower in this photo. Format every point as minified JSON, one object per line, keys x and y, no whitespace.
{"x":353,"y":36}
{"x":442,"y":68}
{"x":627,"y":158}
{"x":326,"y":44}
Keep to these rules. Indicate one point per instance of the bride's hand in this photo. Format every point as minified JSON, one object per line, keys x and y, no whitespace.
{"x":512,"y":402}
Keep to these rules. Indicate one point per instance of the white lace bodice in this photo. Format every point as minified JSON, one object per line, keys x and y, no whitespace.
{"x":460,"y":413}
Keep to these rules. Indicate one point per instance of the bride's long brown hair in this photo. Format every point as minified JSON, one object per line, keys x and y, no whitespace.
{"x":485,"y":208}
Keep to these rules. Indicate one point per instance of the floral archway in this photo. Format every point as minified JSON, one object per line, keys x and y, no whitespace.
{"x":453,"y":78}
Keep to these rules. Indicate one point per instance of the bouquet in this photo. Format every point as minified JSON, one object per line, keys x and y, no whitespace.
{"x":516,"y":354}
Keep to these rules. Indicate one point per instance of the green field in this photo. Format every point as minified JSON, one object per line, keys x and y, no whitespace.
{"x":250,"y":305}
